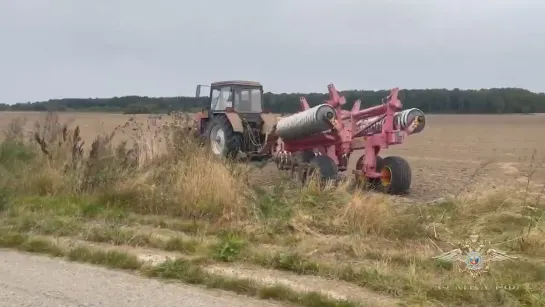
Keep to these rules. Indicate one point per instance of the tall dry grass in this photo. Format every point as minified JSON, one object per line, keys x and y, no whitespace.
{"x":161,"y":170}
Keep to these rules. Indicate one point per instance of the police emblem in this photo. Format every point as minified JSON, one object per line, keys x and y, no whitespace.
{"x":473,"y":261}
{"x":473,"y":256}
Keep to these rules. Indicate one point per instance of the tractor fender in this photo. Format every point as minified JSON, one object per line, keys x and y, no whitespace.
{"x":235,"y":121}
{"x":200,"y":120}
{"x":269,"y":121}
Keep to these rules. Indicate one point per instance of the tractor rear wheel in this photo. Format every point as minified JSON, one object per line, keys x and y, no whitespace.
{"x":322,"y":166}
{"x":221,"y":139}
{"x":395,"y":176}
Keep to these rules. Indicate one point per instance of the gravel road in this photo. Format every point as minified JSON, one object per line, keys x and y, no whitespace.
{"x":38,"y":281}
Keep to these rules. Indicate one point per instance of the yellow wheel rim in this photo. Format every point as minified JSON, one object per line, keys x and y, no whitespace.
{"x":386,"y":176}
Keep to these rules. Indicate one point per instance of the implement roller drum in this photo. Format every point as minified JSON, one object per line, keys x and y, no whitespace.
{"x":402,"y":120}
{"x":306,"y":123}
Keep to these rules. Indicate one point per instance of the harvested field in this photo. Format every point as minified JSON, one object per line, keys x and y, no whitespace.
{"x":477,"y":150}
{"x":453,"y":153}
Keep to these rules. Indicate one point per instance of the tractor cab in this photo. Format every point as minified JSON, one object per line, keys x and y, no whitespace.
{"x":234,"y":121}
{"x":244,"y":97}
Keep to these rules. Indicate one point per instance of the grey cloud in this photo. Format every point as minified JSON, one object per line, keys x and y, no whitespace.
{"x":67,"y":48}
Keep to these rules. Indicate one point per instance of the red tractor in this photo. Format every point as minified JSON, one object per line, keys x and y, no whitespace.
{"x":234,"y":121}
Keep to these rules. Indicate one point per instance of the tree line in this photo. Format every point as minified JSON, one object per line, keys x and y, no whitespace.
{"x":456,"y":101}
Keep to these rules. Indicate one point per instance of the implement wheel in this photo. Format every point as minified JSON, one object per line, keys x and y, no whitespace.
{"x":298,"y":168}
{"x":322,"y":166}
{"x":395,"y":175}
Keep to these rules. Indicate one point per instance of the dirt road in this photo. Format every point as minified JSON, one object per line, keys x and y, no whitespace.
{"x":28,"y":280}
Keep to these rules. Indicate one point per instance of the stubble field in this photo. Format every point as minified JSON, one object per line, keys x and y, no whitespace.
{"x":455,"y":153}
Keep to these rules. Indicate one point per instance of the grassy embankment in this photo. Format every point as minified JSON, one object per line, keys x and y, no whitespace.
{"x":107,"y":204}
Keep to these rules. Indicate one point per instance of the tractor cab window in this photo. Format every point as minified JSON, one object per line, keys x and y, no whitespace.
{"x":248,"y":100}
{"x":222,"y":99}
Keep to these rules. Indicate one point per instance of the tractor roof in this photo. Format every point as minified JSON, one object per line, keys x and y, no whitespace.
{"x":236,"y":82}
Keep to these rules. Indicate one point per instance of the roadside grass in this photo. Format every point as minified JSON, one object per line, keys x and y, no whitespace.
{"x":166,"y":192}
{"x":405,"y":273}
{"x":178,"y":269}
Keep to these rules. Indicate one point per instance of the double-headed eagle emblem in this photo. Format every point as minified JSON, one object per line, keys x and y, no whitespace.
{"x":474,"y":255}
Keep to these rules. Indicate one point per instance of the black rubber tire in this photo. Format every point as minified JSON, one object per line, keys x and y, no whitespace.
{"x":401,"y":175}
{"x":306,"y":156}
{"x":232,"y":139}
{"x":327,"y":168}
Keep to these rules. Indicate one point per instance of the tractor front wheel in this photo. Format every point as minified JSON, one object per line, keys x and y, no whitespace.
{"x":221,"y":138}
{"x":395,"y":175}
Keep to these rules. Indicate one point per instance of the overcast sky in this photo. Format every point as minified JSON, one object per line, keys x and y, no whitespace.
{"x":103,"y":48}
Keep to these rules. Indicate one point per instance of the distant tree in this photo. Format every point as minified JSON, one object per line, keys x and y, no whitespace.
{"x":494,"y":101}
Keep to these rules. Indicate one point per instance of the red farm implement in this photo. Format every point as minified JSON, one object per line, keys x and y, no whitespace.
{"x":322,"y":138}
